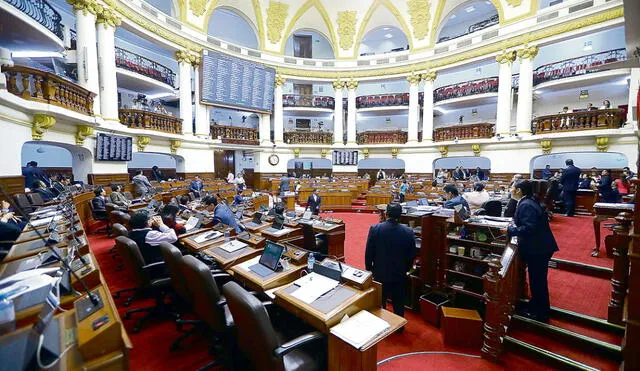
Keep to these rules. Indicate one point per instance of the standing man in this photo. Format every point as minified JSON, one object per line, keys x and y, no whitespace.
{"x":313,"y":202}
{"x":32,"y":173}
{"x":546,"y":172}
{"x":196,"y":186}
{"x":403,"y":190}
{"x":143,"y":186}
{"x":391,"y":248}
{"x":284,"y":184}
{"x":570,"y":180}
{"x":536,"y":246}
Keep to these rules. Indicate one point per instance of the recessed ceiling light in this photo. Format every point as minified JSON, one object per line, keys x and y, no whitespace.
{"x":388,"y":36}
{"x":386,"y":28}
{"x":470,"y":9}
{"x":453,"y":16}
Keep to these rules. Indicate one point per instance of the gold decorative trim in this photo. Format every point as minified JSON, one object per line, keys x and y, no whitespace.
{"x":476,"y":149}
{"x":367,"y":17}
{"x":602,"y":144}
{"x":414,"y":79}
{"x":444,"y":151}
{"x":529,"y":52}
{"x":188,"y":57}
{"x":296,"y":152}
{"x":323,"y":153}
{"x":347,"y":28}
{"x":279,"y":81}
{"x":506,"y":57}
{"x":419,"y":13}
{"x":338,"y":85}
{"x":429,"y":76}
{"x":352,"y":84}
{"x":276,"y":15}
{"x":174,"y":144}
{"x":41,"y":123}
{"x":394,"y":153}
{"x":365,"y":152}
{"x":546,"y":146}
{"x":86,"y":6}
{"x":142,"y":142}
{"x":198,"y":7}
{"x":82,"y":132}
{"x":302,"y":11}
{"x":107,"y":17}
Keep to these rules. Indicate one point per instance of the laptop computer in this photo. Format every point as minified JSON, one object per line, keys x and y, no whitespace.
{"x":256,"y":221}
{"x":412,"y":203}
{"x":193,"y":223}
{"x":423,"y":202}
{"x":277,"y":225}
{"x":269,"y":259}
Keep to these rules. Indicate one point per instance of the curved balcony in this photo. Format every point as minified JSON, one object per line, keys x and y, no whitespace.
{"x":41,"y":12}
{"x":47,"y":87}
{"x":465,"y":89}
{"x":143,"y":66}
{"x":294,"y":137}
{"x":494,"y":20}
{"x":235,"y":135}
{"x":583,"y":120}
{"x":308,"y":101}
{"x":382,"y":100}
{"x":382,"y":137}
{"x":140,"y":119}
{"x":576,"y":66}
{"x":482,"y":130}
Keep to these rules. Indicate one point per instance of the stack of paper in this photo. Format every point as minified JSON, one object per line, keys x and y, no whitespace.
{"x":312,"y":286}
{"x":233,"y":245}
{"x":207,"y":236}
{"x":360,"y":329}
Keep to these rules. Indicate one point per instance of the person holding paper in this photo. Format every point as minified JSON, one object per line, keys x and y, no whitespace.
{"x":391,"y":248}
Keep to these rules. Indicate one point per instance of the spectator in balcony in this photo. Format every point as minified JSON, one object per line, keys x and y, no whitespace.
{"x":380,"y":175}
{"x":590,"y":107}
{"x":546,"y":172}
{"x":32,"y":173}
{"x":569,"y":180}
{"x":157,"y":175}
{"x":606,"y":104}
{"x":453,"y":197}
{"x":196,"y":186}
{"x":477,"y":197}
{"x":142,"y":184}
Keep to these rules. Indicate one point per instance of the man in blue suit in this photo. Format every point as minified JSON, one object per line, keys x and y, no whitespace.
{"x":453,"y":197}
{"x":196,"y":186}
{"x":570,"y":180}
{"x":313,"y":202}
{"x":32,"y":173}
{"x":391,"y":248}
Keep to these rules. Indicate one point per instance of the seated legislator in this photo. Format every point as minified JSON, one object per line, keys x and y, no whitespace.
{"x":116,"y":197}
{"x":196,"y":186}
{"x":99,"y":202}
{"x":142,"y":184}
{"x":183,"y":203}
{"x":148,"y":233}
{"x":477,"y":197}
{"x":39,"y":187}
{"x":313,"y":202}
{"x":221,"y":212}
{"x":453,"y":198}
{"x":238,"y":199}
{"x":61,"y":185}
{"x":10,"y":228}
{"x":169,"y":214}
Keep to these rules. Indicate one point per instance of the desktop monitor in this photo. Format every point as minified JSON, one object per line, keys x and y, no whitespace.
{"x":271,"y":255}
{"x":257,"y":218}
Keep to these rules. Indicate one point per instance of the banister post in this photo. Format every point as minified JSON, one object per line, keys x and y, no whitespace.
{"x":493,"y":327}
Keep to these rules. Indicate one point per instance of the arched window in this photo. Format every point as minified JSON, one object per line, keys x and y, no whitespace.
{"x":308,"y":44}
{"x":385,"y":39}
{"x":468,"y":18}
{"x":234,"y":27}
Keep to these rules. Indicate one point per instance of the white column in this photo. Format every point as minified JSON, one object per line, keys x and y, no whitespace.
{"x":525,"y":90}
{"x":338,"y":115}
{"x":278,"y":115}
{"x":634,"y":84}
{"x":352,"y":86}
{"x":414,"y":106}
{"x":184,"y":69}
{"x":203,"y":126}
{"x":427,"y":107}
{"x":503,"y":117}
{"x":87,"y":54}
{"x":264,"y":129}
{"x":106,"y":24}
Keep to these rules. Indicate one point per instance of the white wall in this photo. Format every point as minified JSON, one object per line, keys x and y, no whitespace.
{"x":386,"y":122}
{"x":486,"y":113}
{"x":382,"y":87}
{"x":377,"y":42}
{"x":320,"y":46}
{"x":584,"y":160}
{"x":290,"y":122}
{"x":316,"y":163}
{"x":468,"y":73}
{"x":244,"y":161}
{"x":232,"y":27}
{"x":381,"y":163}
{"x":575,"y":47}
{"x":324,"y":89}
{"x":144,"y":160}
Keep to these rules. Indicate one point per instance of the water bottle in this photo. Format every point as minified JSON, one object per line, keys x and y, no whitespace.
{"x":310,"y":262}
{"x":7,"y":316}
{"x":227,"y":235}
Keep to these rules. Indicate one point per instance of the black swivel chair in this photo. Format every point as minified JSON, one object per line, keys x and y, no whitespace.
{"x":35,"y":199}
{"x":23,"y":202}
{"x":118,"y":230}
{"x":314,"y":242}
{"x":490,"y":208}
{"x":259,"y":342}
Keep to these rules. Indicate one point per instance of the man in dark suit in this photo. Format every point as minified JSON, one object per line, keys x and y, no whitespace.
{"x":196,"y":186}
{"x":391,"y":248}
{"x":32,"y":173}
{"x":313,"y":202}
{"x":536,"y":246}
{"x":570,"y":180}
{"x":284,"y":184}
{"x":98,"y":204}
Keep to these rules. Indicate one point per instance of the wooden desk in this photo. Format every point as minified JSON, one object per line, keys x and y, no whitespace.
{"x":336,"y":237}
{"x":242,"y":273}
{"x":604,"y":211}
{"x":193,"y":246}
{"x":585,"y":199}
{"x":289,"y":201}
{"x":226,"y":259}
{"x":292,"y":233}
{"x":26,"y":249}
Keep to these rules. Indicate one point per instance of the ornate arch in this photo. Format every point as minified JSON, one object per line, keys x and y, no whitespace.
{"x":213,"y":5}
{"x":439,"y":17}
{"x":393,"y":10}
{"x":301,"y":11}
{"x":242,"y":15}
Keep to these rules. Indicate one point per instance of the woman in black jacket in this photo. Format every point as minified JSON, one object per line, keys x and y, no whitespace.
{"x":536,"y":246}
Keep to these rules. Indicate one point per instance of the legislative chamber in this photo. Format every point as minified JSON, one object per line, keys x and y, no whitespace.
{"x":319,"y":185}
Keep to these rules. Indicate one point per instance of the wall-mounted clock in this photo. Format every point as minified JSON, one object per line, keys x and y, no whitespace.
{"x":274,"y":159}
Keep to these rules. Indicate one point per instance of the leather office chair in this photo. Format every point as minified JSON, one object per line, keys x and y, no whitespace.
{"x":490,"y":208}
{"x":35,"y":199}
{"x":259,"y":342}
{"x":314,"y":242}
{"x":148,"y":277}
{"x":125,"y":218}
{"x":128,"y":195}
{"x":118,"y":230}
{"x":23,"y":202}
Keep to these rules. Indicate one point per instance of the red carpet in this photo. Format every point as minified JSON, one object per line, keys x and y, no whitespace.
{"x":576,"y":239}
{"x":576,"y":292}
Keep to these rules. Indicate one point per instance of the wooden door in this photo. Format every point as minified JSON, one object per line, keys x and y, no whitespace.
{"x":224,"y":163}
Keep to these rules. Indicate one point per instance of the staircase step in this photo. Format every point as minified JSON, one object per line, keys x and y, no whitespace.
{"x":556,"y":359}
{"x":603,"y":347}
{"x":595,"y":322}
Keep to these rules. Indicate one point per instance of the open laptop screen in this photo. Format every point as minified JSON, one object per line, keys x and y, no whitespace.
{"x":271,"y":255}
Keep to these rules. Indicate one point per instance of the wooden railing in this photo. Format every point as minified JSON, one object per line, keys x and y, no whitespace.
{"x":465,"y":89}
{"x":576,"y":66}
{"x":235,"y":135}
{"x":382,"y":137}
{"x":41,"y":86}
{"x":631,"y":314}
{"x":307,"y":100}
{"x":462,"y":132}
{"x":503,"y":287}
{"x":42,"y":12}
{"x":144,"y":66}
{"x":308,"y":137}
{"x":139,"y":119}
{"x":584,"y":120}
{"x":620,"y":278}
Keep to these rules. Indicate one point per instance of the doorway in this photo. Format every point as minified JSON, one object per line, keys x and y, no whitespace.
{"x":302,"y":46}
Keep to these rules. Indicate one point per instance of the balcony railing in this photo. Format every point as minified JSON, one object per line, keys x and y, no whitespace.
{"x":381,"y":100}
{"x":382,"y":137}
{"x":473,"y":28}
{"x":576,"y":66}
{"x":574,"y":121}
{"x":235,"y":135}
{"x":42,"y":13}
{"x":42,"y":86}
{"x":140,"y":119}
{"x":308,"y":137}
{"x":463,"y":132}
{"x":146,"y":67}
{"x":316,"y":101}
{"x":464,"y":89}
{"x":73,"y":39}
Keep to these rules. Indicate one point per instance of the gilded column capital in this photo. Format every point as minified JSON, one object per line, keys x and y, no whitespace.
{"x":107,"y":17}
{"x":323,"y":153}
{"x":41,"y":123}
{"x":86,"y":6}
{"x":338,"y":85}
{"x":476,"y":149}
{"x":429,"y":76}
{"x":506,"y":57}
{"x":414,"y":79}
{"x":296,"y":152}
{"x":82,"y":133}
{"x":279,"y":81}
{"x":546,"y":146}
{"x":602,"y":144}
{"x":174,"y":145}
{"x":529,"y":52}
{"x":365,"y":152}
{"x":444,"y":151}
{"x":394,"y":152}
{"x":142,"y":142}
{"x":352,"y":84}
{"x":187,"y":56}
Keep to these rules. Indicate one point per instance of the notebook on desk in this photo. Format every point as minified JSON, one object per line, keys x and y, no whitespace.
{"x":233,"y":245}
{"x":360,"y":329}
